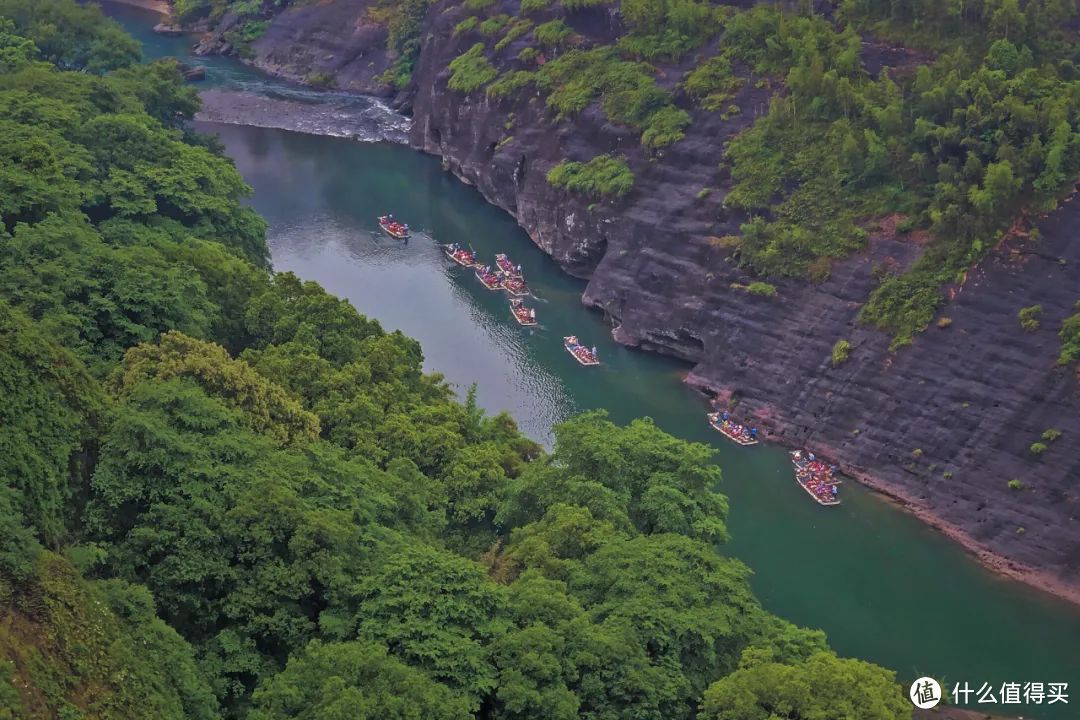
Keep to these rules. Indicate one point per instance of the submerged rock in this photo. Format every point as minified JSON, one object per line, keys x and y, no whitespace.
{"x":169,"y":29}
{"x":193,"y":74}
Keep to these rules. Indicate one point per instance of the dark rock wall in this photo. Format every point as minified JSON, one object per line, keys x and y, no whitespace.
{"x":335,"y":37}
{"x":942,"y":425}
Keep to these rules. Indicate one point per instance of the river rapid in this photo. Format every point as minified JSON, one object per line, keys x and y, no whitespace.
{"x":882,"y":585}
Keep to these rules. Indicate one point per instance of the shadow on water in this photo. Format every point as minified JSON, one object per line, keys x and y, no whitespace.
{"x":880,"y":583}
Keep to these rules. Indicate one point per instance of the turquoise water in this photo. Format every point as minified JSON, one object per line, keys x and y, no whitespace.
{"x":882,"y":585}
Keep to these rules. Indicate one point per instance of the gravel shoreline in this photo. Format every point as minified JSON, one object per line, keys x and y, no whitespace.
{"x":357,"y":118}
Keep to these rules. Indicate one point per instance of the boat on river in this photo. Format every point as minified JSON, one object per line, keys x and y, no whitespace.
{"x":491,"y":280}
{"x":816,"y":477}
{"x":515,"y":285}
{"x":507,"y":266}
{"x":463,"y":257}
{"x":736,"y":432}
{"x":582,"y":354}
{"x":525,"y":316}
{"x":393,"y":228}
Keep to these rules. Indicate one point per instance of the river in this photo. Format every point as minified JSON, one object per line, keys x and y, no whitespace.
{"x":882,"y":585}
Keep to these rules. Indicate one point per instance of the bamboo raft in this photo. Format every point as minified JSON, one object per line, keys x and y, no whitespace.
{"x":490,"y":280}
{"x":522,"y":314}
{"x":461,"y":256}
{"x":393,"y":229}
{"x":805,"y":475}
{"x":515,"y":286}
{"x":570,"y":342}
{"x":507,"y":266}
{"x":720,"y":426}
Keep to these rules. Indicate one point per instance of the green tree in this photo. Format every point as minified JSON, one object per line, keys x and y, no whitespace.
{"x":435,"y":610}
{"x":51,"y":410}
{"x":824,"y":686}
{"x":354,"y":680}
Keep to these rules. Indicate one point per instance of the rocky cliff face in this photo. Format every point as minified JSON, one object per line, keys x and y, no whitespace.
{"x":943,"y":425}
{"x":334,"y":42}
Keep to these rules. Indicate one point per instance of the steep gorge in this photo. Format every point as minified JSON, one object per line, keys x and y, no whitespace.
{"x":943,"y":425}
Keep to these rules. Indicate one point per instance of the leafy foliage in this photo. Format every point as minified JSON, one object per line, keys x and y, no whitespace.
{"x":1070,"y":339}
{"x":553,"y":33}
{"x":69,"y":36}
{"x":960,"y":144}
{"x":1029,"y":317}
{"x":471,"y":70}
{"x":841,"y":351}
{"x":713,"y":82}
{"x":602,"y":177}
{"x":51,"y":407}
{"x":763,"y":689}
{"x":628,"y":92}
{"x":357,"y":680}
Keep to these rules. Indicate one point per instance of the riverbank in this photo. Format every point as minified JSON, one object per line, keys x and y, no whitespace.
{"x":360,"y":118}
{"x":997,"y":564}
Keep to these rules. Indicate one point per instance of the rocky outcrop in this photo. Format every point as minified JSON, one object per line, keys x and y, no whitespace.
{"x":335,"y":39}
{"x":332,"y":44}
{"x":943,"y":425}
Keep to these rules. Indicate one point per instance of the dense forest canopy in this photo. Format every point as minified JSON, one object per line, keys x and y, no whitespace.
{"x":226,"y":493}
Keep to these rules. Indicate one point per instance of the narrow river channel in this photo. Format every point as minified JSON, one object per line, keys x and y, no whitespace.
{"x":882,"y":585}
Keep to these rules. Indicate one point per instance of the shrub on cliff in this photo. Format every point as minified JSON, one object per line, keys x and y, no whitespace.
{"x":403,"y":20}
{"x":842,"y":145}
{"x":510,"y":83}
{"x":713,"y":82}
{"x":466,"y":25}
{"x":516,"y":30}
{"x":553,"y":33}
{"x":665,"y":126}
{"x":532,"y":6}
{"x":1029,"y":317}
{"x":493,"y":25}
{"x":627,"y":90}
{"x":471,"y":70}
{"x":602,"y":177}
{"x":841,"y":351}
{"x":1070,"y":338}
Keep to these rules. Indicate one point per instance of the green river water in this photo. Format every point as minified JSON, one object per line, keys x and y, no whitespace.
{"x":881,"y":584}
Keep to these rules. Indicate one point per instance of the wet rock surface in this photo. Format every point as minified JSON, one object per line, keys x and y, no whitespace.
{"x":942,"y":426}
